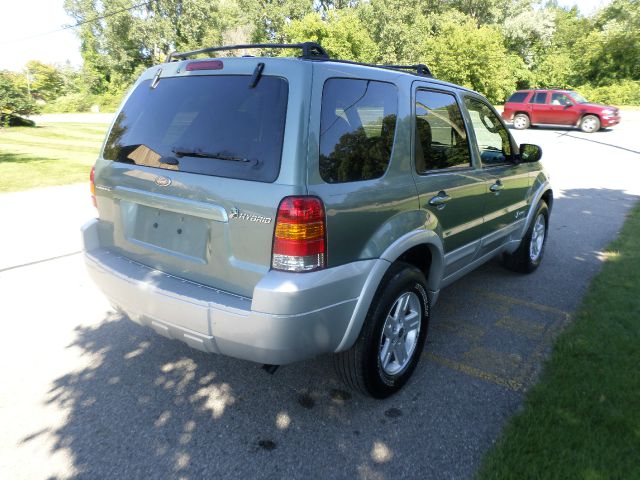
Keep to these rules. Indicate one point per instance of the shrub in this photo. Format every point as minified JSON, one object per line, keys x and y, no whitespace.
{"x":625,"y":92}
{"x":82,"y":102}
{"x":72,"y":103}
{"x":109,"y":102}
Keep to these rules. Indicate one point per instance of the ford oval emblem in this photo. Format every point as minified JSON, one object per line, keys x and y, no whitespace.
{"x":163,"y":181}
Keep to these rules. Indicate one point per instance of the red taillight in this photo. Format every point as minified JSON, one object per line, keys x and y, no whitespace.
{"x":299,"y":240}
{"x":205,"y":65}
{"x":92,"y":177}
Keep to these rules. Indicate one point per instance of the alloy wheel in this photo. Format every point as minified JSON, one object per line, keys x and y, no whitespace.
{"x":400,"y":333}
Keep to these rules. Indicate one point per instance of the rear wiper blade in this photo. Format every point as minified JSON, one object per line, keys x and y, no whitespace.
{"x":169,"y":160}
{"x":200,"y":154}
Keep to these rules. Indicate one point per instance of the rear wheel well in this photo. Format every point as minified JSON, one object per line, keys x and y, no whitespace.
{"x":420,"y":256}
{"x":526,"y":114}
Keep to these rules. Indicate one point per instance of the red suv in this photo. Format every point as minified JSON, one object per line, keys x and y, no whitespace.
{"x":557,"y":107}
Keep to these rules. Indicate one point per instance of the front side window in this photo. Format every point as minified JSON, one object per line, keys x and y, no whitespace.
{"x":357,"y":128}
{"x":560,"y":99}
{"x":578,"y":98}
{"x":539,"y":97}
{"x":205,"y":124}
{"x":493,"y":139}
{"x":441,"y":139}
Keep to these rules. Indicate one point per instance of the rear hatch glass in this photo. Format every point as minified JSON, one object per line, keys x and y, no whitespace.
{"x":204,"y":124}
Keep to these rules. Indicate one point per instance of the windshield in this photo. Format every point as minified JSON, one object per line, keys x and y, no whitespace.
{"x":211,"y":125}
{"x":577,"y":97}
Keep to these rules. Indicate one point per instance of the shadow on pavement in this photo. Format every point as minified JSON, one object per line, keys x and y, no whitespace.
{"x":577,"y":134}
{"x":152,"y":407}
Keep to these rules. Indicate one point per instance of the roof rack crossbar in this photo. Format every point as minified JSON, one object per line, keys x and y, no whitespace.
{"x":310,"y":50}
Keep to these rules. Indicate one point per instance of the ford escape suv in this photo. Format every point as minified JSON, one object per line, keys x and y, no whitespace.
{"x":274,"y":209}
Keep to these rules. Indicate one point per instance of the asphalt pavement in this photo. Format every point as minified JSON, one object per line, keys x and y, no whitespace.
{"x":87,"y":394}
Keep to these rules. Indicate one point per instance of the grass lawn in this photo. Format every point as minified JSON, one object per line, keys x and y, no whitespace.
{"x":49,"y":154}
{"x":582,"y":420}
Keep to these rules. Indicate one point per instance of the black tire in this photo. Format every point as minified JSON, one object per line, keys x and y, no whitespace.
{"x":590,"y":124}
{"x":521,"y":121}
{"x":361,"y":367}
{"x":523,"y":259}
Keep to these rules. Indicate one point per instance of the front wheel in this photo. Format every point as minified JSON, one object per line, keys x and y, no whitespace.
{"x":529,"y":254}
{"x":392,"y":337}
{"x":590,"y":124}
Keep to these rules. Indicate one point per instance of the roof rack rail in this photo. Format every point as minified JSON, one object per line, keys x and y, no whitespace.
{"x":310,"y":50}
{"x":420,"y":68}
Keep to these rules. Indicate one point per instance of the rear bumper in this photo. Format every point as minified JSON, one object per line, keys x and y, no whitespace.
{"x":507,"y":115}
{"x":290,"y":317}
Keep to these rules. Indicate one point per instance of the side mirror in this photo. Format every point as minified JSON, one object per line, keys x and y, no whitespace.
{"x":530,"y":153}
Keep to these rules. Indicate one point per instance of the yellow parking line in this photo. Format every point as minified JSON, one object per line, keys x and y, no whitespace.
{"x":517,"y":301}
{"x":521,"y":327}
{"x":464,"y":329}
{"x":511,"y":384}
{"x":531,"y":366}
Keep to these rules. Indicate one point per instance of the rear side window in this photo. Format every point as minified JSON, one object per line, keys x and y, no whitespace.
{"x":441,"y":139}
{"x":210,"y":125}
{"x":518,"y":97}
{"x":357,"y":128}
{"x":539,"y":97}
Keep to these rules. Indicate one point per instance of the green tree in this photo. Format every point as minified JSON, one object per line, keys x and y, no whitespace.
{"x":488,"y":12}
{"x":342,"y":34}
{"x":46,"y":82}
{"x":611,"y":52}
{"x":459,"y":51}
{"x":14,"y":98}
{"x":269,"y":18}
{"x":396,"y":26}
{"x":118,"y":46}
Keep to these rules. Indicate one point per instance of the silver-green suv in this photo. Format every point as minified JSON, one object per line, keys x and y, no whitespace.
{"x":274,"y":209}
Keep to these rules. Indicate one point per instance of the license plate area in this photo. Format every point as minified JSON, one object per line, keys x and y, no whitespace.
{"x":169,"y":232}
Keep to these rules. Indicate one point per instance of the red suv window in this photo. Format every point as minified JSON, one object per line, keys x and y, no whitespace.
{"x":560,"y":99}
{"x":539,"y":97}
{"x":518,"y":97}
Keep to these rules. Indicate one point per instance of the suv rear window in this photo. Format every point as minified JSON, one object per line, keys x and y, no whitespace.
{"x":518,"y":97}
{"x":211,"y":125}
{"x":357,"y":127}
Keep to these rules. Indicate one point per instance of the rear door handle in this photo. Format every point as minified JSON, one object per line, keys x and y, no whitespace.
{"x":496,"y":187}
{"x":440,"y":200}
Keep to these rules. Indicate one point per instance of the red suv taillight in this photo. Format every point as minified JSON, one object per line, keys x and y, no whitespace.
{"x":92,"y":176}
{"x":299,"y":240}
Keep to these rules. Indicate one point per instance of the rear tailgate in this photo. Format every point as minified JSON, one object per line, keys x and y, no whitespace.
{"x":194,"y":168}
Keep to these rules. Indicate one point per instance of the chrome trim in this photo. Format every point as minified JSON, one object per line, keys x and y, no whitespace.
{"x":172,"y":203}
